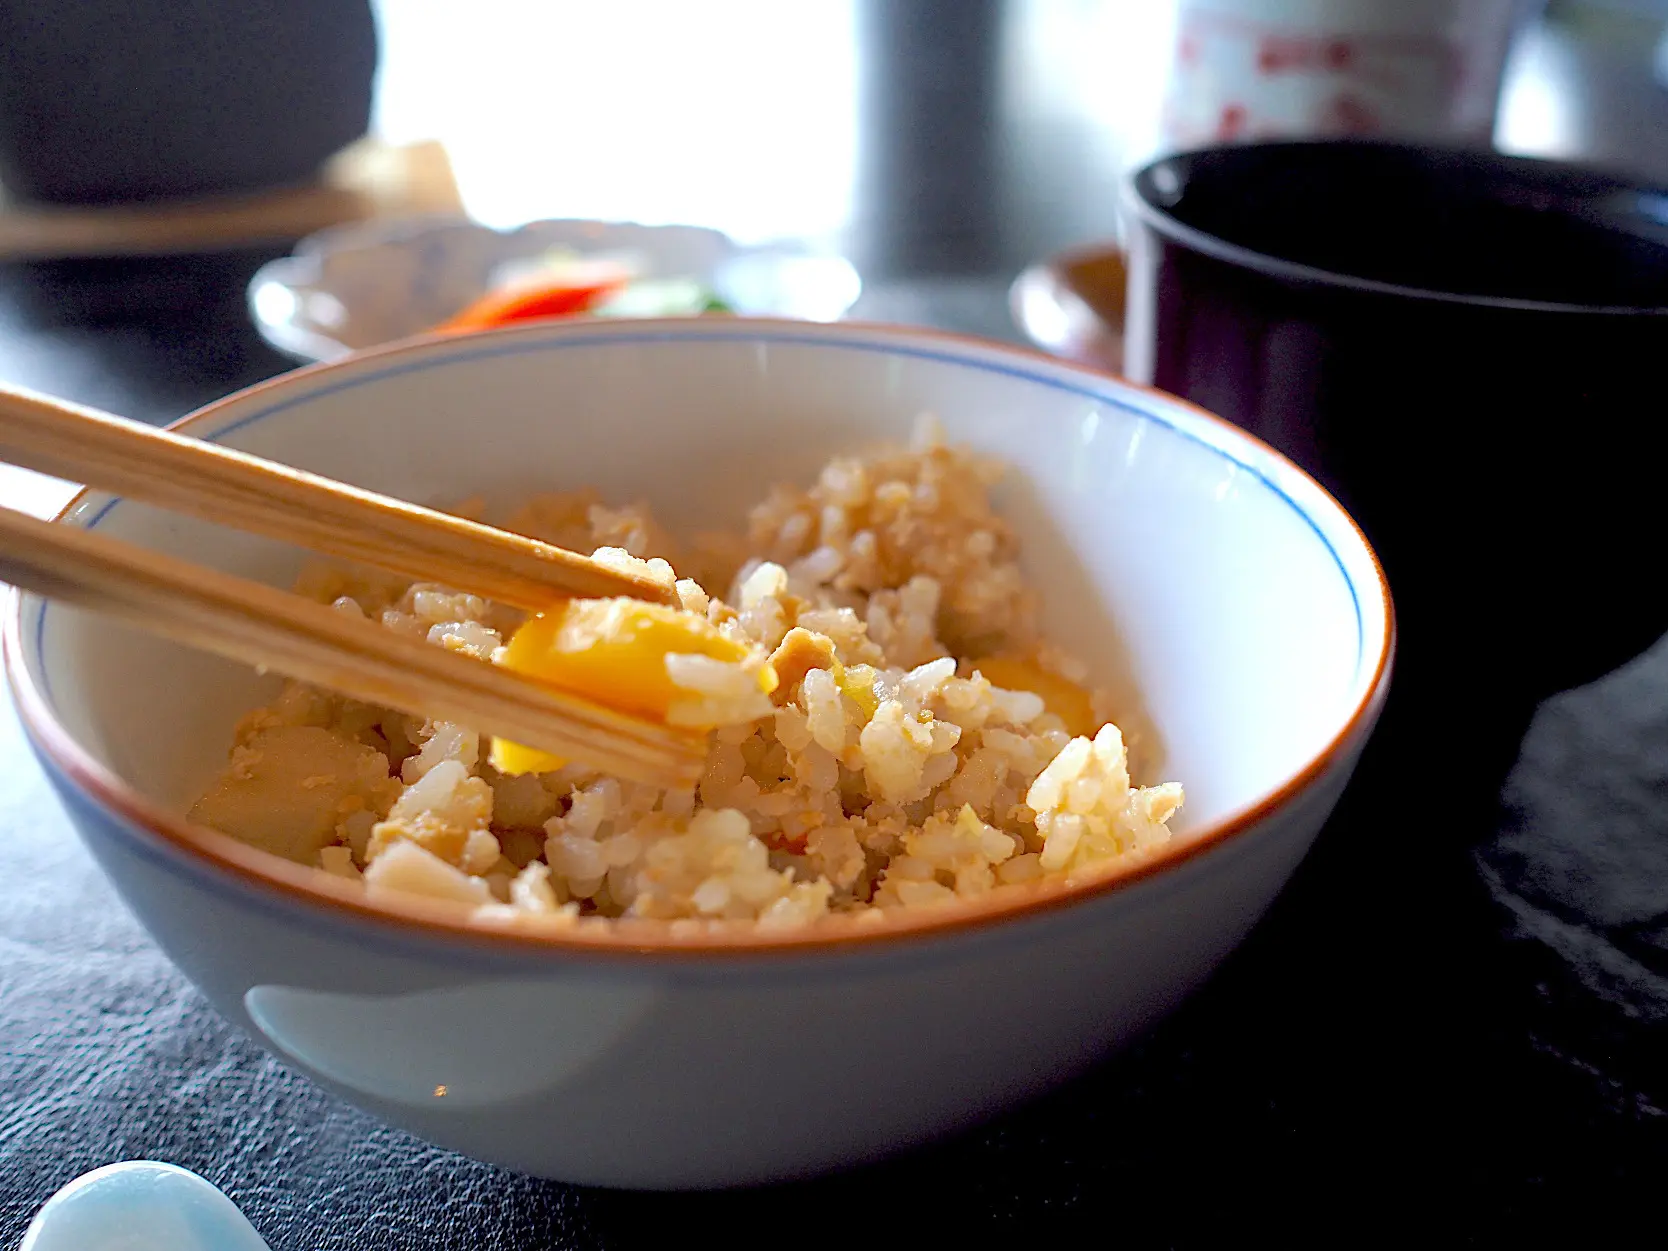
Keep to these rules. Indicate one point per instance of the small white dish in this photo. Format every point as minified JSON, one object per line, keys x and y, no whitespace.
{"x":353,"y":287}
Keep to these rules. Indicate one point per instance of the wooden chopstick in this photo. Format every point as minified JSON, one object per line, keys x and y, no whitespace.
{"x":217,"y":484}
{"x":262,"y":626}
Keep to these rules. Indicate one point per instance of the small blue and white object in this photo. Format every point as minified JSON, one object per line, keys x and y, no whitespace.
{"x":140,"y":1205}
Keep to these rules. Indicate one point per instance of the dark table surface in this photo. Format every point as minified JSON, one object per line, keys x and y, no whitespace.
{"x":1455,"y":1016}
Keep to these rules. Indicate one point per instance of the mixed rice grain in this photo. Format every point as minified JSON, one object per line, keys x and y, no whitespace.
{"x":885,"y":770}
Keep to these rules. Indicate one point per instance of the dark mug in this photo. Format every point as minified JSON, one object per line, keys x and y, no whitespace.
{"x":1470,"y":351}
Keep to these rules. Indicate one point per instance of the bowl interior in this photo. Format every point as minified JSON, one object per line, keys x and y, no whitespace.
{"x":1233,"y":605}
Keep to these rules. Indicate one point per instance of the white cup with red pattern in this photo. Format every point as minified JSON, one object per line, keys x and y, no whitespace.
{"x":1427,"y":70}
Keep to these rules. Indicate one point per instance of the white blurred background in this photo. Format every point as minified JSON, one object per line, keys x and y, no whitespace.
{"x":745,"y":114}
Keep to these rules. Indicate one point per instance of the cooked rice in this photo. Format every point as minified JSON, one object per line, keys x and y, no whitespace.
{"x":883,"y":772}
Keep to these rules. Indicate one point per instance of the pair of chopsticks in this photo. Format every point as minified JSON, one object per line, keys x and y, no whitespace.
{"x":262,"y":626}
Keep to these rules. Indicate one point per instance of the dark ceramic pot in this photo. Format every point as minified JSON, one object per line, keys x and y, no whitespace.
{"x":107,"y":101}
{"x":1469,"y":350}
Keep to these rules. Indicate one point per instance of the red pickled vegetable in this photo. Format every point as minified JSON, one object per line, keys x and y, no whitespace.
{"x":556,"y":297}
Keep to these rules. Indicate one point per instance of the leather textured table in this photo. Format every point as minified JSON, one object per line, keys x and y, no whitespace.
{"x":1456,"y":1017}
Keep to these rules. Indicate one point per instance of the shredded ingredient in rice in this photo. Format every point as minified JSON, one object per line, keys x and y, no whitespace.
{"x":888,"y":728}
